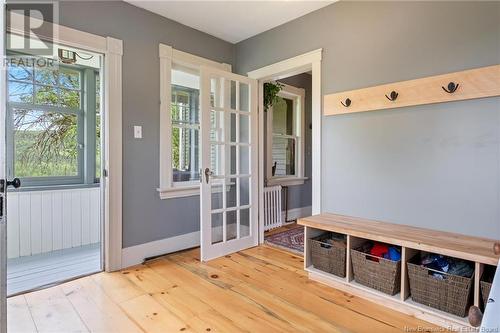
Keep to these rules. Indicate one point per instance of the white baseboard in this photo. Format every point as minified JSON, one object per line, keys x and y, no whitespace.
{"x":135,"y":255}
{"x":297,"y":213}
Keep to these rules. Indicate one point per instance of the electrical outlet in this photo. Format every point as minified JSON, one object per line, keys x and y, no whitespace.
{"x":138,"y":132}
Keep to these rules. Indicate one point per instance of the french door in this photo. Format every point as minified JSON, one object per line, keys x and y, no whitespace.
{"x":229,"y":202}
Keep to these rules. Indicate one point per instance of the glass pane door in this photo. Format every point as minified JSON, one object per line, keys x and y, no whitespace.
{"x":229,"y":165}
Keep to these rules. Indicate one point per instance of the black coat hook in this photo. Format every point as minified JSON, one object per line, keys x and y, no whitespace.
{"x":393,"y":96}
{"x":347,"y":103}
{"x":452,"y":87}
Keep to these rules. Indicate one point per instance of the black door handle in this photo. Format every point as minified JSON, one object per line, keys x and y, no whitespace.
{"x":16,"y":183}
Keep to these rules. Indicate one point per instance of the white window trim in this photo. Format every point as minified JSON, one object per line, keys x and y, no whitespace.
{"x":167,"y":188}
{"x":298,"y":95}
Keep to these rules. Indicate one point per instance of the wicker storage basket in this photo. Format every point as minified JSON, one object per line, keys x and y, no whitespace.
{"x":485,"y":291}
{"x":378,"y":273}
{"x":486,"y":281}
{"x":326,"y":256}
{"x":451,"y":294}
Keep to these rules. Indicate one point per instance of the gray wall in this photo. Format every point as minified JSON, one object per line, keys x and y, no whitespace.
{"x":300,"y":195}
{"x":433,"y":166}
{"x":145,"y":217}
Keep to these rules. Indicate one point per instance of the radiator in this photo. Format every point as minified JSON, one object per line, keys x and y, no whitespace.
{"x":272,"y":207}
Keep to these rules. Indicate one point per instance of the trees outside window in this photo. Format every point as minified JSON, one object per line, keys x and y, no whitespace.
{"x":46,"y":129}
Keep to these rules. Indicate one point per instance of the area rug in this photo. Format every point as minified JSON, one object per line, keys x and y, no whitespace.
{"x":291,"y":240}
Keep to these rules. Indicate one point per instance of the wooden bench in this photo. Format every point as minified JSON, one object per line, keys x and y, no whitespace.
{"x":411,"y":239}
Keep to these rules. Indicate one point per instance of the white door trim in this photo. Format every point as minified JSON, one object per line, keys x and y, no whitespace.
{"x":112,"y":49}
{"x":3,"y":225}
{"x":310,"y":61}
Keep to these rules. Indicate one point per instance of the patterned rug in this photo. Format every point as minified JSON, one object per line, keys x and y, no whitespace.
{"x":290,"y":240}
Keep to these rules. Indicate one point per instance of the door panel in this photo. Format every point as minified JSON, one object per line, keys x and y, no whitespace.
{"x":229,"y":163}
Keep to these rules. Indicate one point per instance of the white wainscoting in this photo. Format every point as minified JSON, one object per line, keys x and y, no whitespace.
{"x":45,"y":221}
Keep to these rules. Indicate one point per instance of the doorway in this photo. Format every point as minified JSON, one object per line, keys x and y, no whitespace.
{"x":304,"y":64}
{"x":287,"y":159}
{"x":53,"y":143}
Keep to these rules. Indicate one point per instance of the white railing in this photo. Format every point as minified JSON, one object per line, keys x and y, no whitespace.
{"x":45,"y":221}
{"x":272,"y":207}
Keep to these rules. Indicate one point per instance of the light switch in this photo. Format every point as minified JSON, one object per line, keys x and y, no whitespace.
{"x":138,"y":132}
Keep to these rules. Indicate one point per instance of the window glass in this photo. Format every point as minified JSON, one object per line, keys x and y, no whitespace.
{"x":47,"y":123}
{"x":283,"y":116}
{"x":284,"y":137}
{"x":20,"y":73}
{"x":45,"y":143}
{"x":185,"y":124}
{"x":46,"y":95}
{"x":20,"y":92}
{"x":69,"y":79}
{"x":283,"y":156}
{"x":97,"y":127}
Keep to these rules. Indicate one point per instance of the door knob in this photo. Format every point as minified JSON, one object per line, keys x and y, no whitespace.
{"x":208,"y":173}
{"x":16,"y":183}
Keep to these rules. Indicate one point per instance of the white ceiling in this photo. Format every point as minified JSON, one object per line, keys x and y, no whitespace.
{"x":232,"y":21}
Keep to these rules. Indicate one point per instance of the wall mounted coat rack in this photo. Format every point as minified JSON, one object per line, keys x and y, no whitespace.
{"x":468,"y":84}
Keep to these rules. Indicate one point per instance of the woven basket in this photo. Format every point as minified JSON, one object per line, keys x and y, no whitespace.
{"x":327,"y":257}
{"x":451,"y":294}
{"x":486,"y":282}
{"x":377,"y":273}
{"x":485,"y":291}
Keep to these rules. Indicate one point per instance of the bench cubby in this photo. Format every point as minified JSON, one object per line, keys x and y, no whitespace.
{"x":412,"y":241}
{"x":328,"y":253}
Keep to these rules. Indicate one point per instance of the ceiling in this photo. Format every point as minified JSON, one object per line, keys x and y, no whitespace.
{"x":232,"y":21}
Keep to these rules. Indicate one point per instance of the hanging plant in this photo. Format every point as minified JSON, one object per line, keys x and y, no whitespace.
{"x":271,"y":91}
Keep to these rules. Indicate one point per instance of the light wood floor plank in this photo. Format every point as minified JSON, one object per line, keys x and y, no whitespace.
{"x":246,"y":315}
{"x":152,"y":317}
{"x":53,"y":312}
{"x":117,"y":286}
{"x":96,"y":309}
{"x":18,"y":316}
{"x":257,"y":290}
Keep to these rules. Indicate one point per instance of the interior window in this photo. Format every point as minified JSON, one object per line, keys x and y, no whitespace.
{"x":185,"y":125}
{"x":284,"y":139}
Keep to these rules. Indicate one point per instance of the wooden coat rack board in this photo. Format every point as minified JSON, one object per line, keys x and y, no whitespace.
{"x":469,"y":84}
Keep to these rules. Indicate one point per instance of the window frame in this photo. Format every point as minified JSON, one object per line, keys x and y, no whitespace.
{"x":168,"y":56}
{"x":84,"y":176}
{"x":297,"y":95}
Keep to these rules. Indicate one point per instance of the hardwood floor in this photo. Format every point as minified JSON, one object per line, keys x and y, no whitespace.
{"x":257,"y":290}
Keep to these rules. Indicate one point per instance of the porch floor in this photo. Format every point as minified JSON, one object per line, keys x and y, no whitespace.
{"x":31,"y":272}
